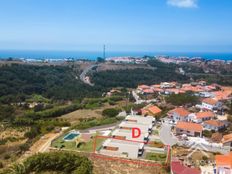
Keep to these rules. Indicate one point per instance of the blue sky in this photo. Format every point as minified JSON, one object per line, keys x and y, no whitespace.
{"x":123,"y":25}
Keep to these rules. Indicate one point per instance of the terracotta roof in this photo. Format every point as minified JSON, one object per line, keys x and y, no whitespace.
{"x":222,"y":95}
{"x":224,"y":160}
{"x":158,"y":89}
{"x":154,"y":109}
{"x":209,"y":101}
{"x":178,"y":168}
{"x":189,"y":126}
{"x":156,"y":86}
{"x":215,"y":123}
{"x":148,"y":91}
{"x":143,"y":86}
{"x":181,"y":112}
{"x":204,"y":114}
{"x":227,"y":138}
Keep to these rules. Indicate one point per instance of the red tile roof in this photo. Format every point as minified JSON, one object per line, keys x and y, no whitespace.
{"x":148,"y":91}
{"x":215,"y":123}
{"x":152,"y":109}
{"x":210,"y":101}
{"x":204,"y":114}
{"x":227,"y":138}
{"x":189,"y":126}
{"x":222,"y":95}
{"x":178,"y":168}
{"x":181,"y":112}
{"x":224,"y":160}
{"x":143,"y":87}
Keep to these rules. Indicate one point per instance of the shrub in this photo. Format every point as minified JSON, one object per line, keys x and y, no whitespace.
{"x":207,"y":133}
{"x":60,"y":162}
{"x":110,"y":112}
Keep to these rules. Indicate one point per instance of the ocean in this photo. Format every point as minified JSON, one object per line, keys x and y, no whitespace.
{"x":91,"y":55}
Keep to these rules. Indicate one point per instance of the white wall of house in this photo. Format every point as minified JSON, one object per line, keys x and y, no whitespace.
{"x":177,"y":117}
{"x":207,"y":106}
{"x":211,"y":127}
{"x":192,"y":117}
{"x":224,"y":170}
{"x":189,"y":133}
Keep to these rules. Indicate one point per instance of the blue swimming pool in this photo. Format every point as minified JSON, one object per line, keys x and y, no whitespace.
{"x":71,"y":136}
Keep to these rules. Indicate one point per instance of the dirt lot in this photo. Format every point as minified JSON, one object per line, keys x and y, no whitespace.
{"x":103,"y":166}
{"x":73,"y":117}
{"x":195,"y":159}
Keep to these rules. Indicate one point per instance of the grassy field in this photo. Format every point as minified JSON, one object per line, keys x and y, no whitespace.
{"x":74,"y":117}
{"x":156,"y":157}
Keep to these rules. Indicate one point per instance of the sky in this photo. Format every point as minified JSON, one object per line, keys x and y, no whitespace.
{"x":122,"y":25}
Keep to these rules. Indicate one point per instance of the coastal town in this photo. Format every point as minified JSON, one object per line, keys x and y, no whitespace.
{"x":155,"y":136}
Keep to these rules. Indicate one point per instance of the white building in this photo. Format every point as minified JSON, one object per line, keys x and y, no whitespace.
{"x":127,"y":135}
{"x":122,"y":148}
{"x":179,"y":114}
{"x":145,"y":128}
{"x":210,"y":104}
{"x":201,"y":116}
{"x":215,"y":125}
{"x":140,"y":119}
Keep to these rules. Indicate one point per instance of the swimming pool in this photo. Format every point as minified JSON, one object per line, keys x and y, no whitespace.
{"x":71,"y":135}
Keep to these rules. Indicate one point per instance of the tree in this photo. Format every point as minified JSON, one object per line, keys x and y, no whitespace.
{"x":110,"y":112}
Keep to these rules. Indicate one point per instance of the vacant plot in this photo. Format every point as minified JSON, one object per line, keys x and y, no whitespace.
{"x":103,"y":166}
{"x":73,"y":117}
{"x":194,"y":158}
{"x":156,"y":157}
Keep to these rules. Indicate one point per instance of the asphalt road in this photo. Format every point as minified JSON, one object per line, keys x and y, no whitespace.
{"x":83,"y":74}
{"x":166,"y":135}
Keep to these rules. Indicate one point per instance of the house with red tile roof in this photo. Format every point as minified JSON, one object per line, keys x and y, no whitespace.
{"x":167,"y":84}
{"x":222,"y":95}
{"x":215,"y":125}
{"x":151,"y":110}
{"x":142,"y":87}
{"x":210,"y":104}
{"x":201,"y":116}
{"x":188,"y":128}
{"x":179,"y":114}
{"x":178,"y":168}
{"x":224,"y":163}
{"x":227,"y":140}
{"x":148,"y":91}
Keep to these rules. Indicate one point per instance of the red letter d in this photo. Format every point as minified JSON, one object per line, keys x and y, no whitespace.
{"x":134,"y":130}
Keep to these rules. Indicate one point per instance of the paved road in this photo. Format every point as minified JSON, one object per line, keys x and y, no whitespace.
{"x":166,"y":135}
{"x":139,"y":101}
{"x":83,"y":74}
{"x":100,"y":128}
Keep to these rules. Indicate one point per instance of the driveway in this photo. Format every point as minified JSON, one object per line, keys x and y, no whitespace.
{"x":166,"y":135}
